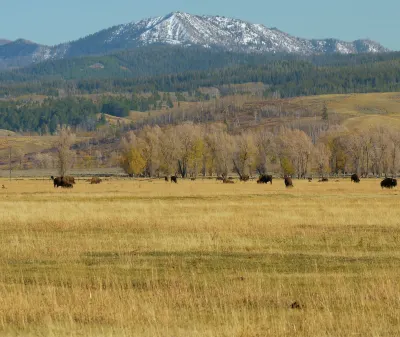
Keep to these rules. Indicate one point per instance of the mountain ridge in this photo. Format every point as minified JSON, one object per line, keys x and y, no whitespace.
{"x":179,"y":28}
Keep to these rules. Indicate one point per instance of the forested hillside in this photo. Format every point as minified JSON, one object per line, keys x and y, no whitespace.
{"x":159,"y":77}
{"x":177,"y":69}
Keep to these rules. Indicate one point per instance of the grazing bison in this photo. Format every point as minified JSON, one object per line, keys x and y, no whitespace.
{"x":323,"y":180}
{"x":310,"y":179}
{"x":389,"y":183}
{"x":166,"y":179}
{"x":95,"y":180}
{"x":355,"y":178}
{"x":244,"y":178}
{"x":220,"y":178}
{"x":193,"y":179}
{"x":288,"y":181}
{"x":228,"y":181}
{"x":264,"y":179}
{"x":174,"y":179}
{"x":61,"y":182}
{"x":57,"y":181}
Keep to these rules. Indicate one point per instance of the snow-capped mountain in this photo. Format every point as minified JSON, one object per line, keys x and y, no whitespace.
{"x":185,"y":29}
{"x":4,"y":41}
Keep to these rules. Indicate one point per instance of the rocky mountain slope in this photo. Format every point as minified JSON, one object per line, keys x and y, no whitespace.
{"x":182,"y":29}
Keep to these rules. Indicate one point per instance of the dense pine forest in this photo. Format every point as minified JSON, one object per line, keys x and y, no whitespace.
{"x":164,"y":69}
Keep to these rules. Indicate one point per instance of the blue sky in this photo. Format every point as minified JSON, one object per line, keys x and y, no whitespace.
{"x":56,"y":21}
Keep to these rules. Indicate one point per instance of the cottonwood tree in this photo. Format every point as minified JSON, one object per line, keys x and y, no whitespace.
{"x":150,"y":146}
{"x":168,"y":148}
{"x":131,"y":160}
{"x":354,"y":145}
{"x":224,"y":154}
{"x":243,"y":153}
{"x":321,"y":156}
{"x":212,"y":137}
{"x":394,"y":149}
{"x":65,"y":155}
{"x":265,"y":148}
{"x":190,"y":150}
{"x":380,"y":151}
{"x":295,"y":149}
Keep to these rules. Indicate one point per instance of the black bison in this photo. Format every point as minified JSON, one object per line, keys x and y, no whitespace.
{"x":264,"y":179}
{"x":355,"y":178}
{"x":62,"y":182}
{"x":228,"y":181}
{"x":389,"y":183}
{"x":166,"y":179}
{"x":288,"y":181}
{"x":95,"y":180}
{"x":174,"y":179}
{"x":193,"y":179}
{"x":310,"y":179}
{"x":57,"y":181}
{"x":244,"y":178}
{"x":220,"y":178}
{"x":323,"y":180}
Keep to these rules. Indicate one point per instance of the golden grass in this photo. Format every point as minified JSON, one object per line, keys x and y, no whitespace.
{"x":149,"y":258}
{"x":371,"y":103}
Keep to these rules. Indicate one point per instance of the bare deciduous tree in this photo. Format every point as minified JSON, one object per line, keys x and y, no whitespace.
{"x":64,"y":153}
{"x":321,"y":156}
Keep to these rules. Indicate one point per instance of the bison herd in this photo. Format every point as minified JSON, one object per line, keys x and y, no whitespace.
{"x":68,"y":181}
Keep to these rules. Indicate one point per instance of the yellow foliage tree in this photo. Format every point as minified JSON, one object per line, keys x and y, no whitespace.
{"x":132,"y":162}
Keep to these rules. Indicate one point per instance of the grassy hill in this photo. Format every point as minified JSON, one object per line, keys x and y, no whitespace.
{"x":356,"y":111}
{"x":352,"y":111}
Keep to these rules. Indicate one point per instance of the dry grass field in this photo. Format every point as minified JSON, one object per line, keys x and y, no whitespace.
{"x":149,"y":258}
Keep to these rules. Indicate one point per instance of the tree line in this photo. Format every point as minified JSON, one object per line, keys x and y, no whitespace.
{"x":210,"y":150}
{"x":189,"y":69}
{"x":44,"y":117}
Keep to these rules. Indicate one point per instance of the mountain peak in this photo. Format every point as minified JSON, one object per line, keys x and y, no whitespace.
{"x":180,"y":28}
{"x":4,"y":41}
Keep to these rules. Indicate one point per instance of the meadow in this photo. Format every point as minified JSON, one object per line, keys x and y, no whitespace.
{"x":199,"y":258}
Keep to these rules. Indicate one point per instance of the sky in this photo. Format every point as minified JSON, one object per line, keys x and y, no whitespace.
{"x":55,"y":21}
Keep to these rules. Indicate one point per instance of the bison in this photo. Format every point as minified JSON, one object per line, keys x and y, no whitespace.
{"x":288,"y":181}
{"x":310,"y":179}
{"x":174,"y":179}
{"x":57,"y":181}
{"x":389,"y":183}
{"x":61,"y":182}
{"x":355,"y":178}
{"x":264,"y":179}
{"x":323,"y":180}
{"x":244,"y":178}
{"x":95,"y":180}
{"x":166,"y":178}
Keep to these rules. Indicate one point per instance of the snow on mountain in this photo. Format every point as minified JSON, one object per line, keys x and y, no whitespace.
{"x":185,"y":29}
{"x":230,"y":34}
